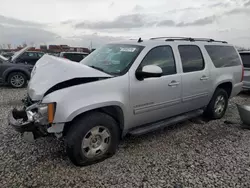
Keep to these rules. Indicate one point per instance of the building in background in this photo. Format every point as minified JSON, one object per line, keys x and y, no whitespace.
{"x":51,"y":49}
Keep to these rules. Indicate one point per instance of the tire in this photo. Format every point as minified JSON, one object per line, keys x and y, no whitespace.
{"x":211,"y":111}
{"x":18,"y":76}
{"x":82,"y":129}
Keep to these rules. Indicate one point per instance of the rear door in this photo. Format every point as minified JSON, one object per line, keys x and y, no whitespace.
{"x":246,"y":63}
{"x":196,"y":81}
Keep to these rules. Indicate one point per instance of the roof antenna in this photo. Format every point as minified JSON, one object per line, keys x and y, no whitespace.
{"x":139,"y":40}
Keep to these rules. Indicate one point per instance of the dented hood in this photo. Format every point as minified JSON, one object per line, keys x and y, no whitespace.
{"x":53,"y":72}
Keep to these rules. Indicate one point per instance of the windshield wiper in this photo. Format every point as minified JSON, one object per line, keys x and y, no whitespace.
{"x":97,"y":68}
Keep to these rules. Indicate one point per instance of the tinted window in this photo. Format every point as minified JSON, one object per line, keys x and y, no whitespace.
{"x":191,"y":58}
{"x":74,"y":57}
{"x":24,"y":54}
{"x":223,"y":56}
{"x":163,"y":57}
{"x":31,"y":54}
{"x":40,"y":54}
{"x":245,"y":59}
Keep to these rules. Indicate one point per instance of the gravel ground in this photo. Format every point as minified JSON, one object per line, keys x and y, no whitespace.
{"x":192,"y":154}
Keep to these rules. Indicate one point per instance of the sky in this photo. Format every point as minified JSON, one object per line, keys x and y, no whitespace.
{"x":78,"y":22}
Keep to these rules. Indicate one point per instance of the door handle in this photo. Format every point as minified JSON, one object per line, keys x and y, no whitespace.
{"x":173,"y":83}
{"x":204,"y":78}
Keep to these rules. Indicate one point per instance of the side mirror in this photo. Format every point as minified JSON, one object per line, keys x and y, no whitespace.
{"x":149,"y":71}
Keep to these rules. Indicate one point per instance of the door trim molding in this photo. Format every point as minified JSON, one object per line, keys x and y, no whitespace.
{"x":156,"y":106}
{"x":196,"y":96}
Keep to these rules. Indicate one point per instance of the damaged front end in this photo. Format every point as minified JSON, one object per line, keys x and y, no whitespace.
{"x":32,"y":121}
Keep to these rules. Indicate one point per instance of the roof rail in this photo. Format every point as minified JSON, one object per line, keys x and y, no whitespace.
{"x":187,"y":39}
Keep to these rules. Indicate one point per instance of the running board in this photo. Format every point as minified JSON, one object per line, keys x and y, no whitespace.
{"x":165,"y":123}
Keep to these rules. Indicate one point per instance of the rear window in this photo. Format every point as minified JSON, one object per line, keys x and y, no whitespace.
{"x":40,"y":54}
{"x":223,"y":56}
{"x":74,"y":57}
{"x":245,"y":59}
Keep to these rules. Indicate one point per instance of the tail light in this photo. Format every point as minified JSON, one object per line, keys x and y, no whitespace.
{"x":242,"y":74}
{"x":51,"y":112}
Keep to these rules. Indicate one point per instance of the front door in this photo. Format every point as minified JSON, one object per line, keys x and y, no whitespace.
{"x":154,"y":99}
{"x":196,"y":81}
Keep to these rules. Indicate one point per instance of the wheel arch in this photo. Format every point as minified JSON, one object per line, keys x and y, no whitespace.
{"x":8,"y":72}
{"x":227,"y":86}
{"x":114,"y":111}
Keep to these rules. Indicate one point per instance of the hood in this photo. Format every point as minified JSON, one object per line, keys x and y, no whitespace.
{"x":3,"y":58}
{"x":53,"y":73}
{"x":19,"y":53}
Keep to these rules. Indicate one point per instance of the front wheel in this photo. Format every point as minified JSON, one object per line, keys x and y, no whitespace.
{"x":92,"y":138}
{"x":17,"y":80}
{"x":218,"y":105}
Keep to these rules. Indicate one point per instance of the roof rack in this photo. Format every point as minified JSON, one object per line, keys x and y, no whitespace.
{"x":187,"y":39}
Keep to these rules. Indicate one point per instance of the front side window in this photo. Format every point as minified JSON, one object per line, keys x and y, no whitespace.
{"x":223,"y":56}
{"x":163,"y":57}
{"x":245,"y":59}
{"x":114,"y":59}
{"x":191,"y":58}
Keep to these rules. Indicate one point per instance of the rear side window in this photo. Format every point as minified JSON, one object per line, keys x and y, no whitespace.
{"x":31,"y":54}
{"x":223,"y":56}
{"x":246,"y":59}
{"x":191,"y":58}
{"x":40,"y":54}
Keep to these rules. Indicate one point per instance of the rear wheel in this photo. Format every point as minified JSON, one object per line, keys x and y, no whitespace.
{"x":17,"y":80}
{"x":92,"y":138}
{"x":218,"y":105}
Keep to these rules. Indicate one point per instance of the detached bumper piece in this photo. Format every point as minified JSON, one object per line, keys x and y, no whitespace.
{"x":18,"y":119}
{"x":244,"y":112}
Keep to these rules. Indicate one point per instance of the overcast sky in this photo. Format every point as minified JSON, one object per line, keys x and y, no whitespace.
{"x":77,"y":22}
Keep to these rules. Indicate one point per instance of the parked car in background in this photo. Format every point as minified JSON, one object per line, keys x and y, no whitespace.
{"x":29,"y":57}
{"x":15,"y":71}
{"x":129,"y":87}
{"x":74,"y":56}
{"x":245,"y":56}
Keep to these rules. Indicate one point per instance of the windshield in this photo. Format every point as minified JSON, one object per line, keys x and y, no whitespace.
{"x":114,"y":59}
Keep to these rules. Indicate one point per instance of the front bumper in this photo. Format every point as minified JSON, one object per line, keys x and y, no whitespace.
{"x":18,"y":119}
{"x":246,"y":85}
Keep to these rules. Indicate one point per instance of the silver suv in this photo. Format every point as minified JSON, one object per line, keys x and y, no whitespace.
{"x":130,"y":87}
